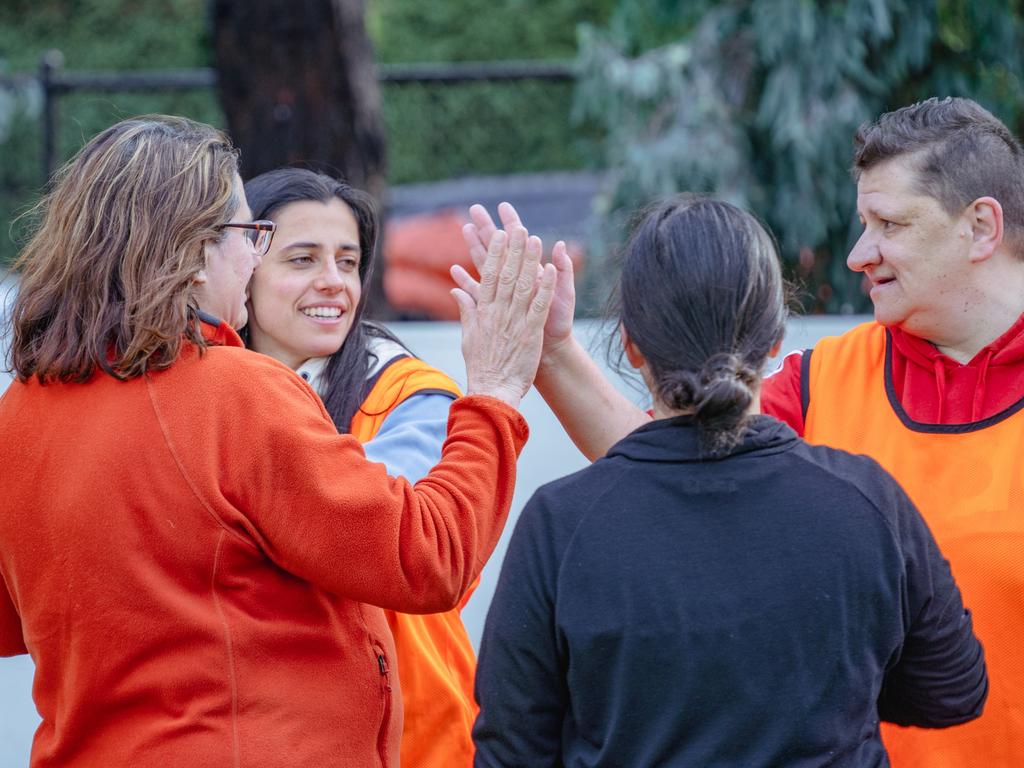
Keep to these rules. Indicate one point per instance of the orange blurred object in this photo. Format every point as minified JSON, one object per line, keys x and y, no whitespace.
{"x":418,"y":252}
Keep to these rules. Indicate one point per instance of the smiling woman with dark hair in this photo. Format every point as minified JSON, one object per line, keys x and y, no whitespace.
{"x":715,"y":591}
{"x":306,"y":310}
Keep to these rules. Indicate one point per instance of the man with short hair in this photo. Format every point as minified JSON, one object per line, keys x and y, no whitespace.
{"x":933,"y":389}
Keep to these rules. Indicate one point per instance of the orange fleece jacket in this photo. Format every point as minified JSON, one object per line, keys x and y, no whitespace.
{"x":192,"y":559}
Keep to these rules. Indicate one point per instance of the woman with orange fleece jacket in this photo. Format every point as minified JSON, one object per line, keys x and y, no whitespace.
{"x":189,"y":550}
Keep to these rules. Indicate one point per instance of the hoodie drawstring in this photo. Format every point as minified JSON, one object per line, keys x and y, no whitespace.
{"x":940,"y":385}
{"x":979,"y":387}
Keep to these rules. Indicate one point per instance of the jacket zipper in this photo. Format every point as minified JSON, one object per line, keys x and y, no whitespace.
{"x":382,"y":734}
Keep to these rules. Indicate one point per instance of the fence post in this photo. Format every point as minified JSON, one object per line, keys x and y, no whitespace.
{"x":51,"y":62}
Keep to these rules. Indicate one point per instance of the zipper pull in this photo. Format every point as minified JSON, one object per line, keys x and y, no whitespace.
{"x":382,"y":664}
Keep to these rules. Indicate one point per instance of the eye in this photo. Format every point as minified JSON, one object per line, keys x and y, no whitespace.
{"x":888,"y":225}
{"x":300,"y":259}
{"x":348,"y":262}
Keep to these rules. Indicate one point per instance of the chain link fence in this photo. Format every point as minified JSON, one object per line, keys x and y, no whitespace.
{"x":444,"y":121}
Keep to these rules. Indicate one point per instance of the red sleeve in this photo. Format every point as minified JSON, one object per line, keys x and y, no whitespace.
{"x":782,"y":392}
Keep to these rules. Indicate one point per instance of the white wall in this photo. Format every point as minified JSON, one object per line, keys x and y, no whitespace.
{"x":549,"y":454}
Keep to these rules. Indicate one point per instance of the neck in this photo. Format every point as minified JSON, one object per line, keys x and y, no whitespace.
{"x":984,"y":313}
{"x":662,"y":411}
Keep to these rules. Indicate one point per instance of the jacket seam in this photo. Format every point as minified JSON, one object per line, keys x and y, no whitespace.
{"x":860,"y":492}
{"x":229,"y":647}
{"x":185,"y":475}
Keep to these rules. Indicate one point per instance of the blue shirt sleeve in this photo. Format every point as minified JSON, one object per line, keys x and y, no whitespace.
{"x":410,"y":439}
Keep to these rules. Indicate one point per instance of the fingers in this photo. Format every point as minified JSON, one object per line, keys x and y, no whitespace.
{"x":477,"y":249}
{"x":482,"y":220}
{"x":560,"y":258}
{"x":543,"y":297}
{"x":481,"y":228}
{"x":529,"y":272}
{"x":465,"y":281}
{"x":510,"y":274}
{"x":489,"y":271}
{"x":509,"y":216}
{"x":467,"y":307}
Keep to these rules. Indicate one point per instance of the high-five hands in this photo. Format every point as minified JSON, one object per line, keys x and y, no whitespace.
{"x":503,"y":316}
{"x":480,"y":233}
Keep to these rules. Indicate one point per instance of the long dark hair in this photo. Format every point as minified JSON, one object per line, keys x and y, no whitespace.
{"x":702,"y":297}
{"x":347,"y":368}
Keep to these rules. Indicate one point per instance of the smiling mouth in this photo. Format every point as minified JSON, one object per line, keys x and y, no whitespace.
{"x":324,"y":312}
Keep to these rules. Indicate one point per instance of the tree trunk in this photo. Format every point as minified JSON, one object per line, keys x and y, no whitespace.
{"x":298,"y":85}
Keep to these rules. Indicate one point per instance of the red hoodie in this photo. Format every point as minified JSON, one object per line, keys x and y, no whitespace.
{"x":932,"y":387}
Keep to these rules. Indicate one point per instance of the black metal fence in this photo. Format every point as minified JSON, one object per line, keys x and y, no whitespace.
{"x":55,"y":82}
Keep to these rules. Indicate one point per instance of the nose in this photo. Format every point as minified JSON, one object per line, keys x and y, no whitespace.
{"x":864,"y":252}
{"x":329,"y":280}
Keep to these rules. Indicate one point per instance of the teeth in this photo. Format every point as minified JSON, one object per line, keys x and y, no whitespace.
{"x":322,"y":312}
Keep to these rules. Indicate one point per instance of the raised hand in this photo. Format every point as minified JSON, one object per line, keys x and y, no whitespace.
{"x":478,"y":235}
{"x":503,"y":316}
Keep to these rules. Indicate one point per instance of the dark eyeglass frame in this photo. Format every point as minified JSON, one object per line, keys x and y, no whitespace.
{"x":254,"y":233}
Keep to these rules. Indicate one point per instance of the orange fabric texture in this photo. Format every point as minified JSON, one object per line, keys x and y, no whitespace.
{"x":968,"y":482}
{"x":436,"y":662}
{"x":190,"y":558}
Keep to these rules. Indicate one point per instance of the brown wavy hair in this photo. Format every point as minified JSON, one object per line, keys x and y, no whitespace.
{"x":107,"y":279}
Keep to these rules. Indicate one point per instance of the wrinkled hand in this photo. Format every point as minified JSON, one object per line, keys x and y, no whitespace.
{"x":478,"y":235}
{"x":503,"y":316}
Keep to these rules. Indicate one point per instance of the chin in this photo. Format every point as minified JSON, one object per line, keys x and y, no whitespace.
{"x":323,"y":349}
{"x":888,"y":317}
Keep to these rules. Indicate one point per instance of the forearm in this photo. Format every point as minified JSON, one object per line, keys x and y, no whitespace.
{"x":319,"y":510}
{"x":593,"y":412}
{"x":940,"y":680}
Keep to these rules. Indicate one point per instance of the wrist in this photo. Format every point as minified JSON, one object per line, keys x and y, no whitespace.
{"x":509,"y":395}
{"x":557,"y":354}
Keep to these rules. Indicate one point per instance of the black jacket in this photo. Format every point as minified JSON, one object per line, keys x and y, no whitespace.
{"x":764,"y":609}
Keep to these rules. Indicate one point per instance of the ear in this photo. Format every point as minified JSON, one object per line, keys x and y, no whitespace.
{"x":775,"y":349}
{"x":633,"y":355}
{"x":201,"y":276}
{"x":985,"y":218}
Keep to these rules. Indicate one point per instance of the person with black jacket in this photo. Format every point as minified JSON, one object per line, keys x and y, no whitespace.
{"x":716,"y":592}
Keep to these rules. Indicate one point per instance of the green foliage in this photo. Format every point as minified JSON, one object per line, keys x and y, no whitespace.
{"x":757,"y":102}
{"x":442,"y":131}
{"x":105,"y":34}
{"x":480,"y":30}
{"x":435,"y":131}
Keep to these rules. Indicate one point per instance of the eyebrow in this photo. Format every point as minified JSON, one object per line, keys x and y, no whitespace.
{"x":315,"y":246}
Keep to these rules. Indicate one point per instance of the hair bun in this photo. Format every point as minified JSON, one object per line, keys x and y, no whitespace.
{"x":718,"y":396}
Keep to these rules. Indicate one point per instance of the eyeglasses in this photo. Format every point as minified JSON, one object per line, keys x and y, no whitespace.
{"x":259,"y":233}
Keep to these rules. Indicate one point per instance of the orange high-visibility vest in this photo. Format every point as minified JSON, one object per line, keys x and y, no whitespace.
{"x":968,"y":482}
{"x":436,"y":662}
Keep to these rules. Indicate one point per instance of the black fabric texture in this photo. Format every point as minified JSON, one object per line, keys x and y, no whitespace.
{"x":764,"y":609}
